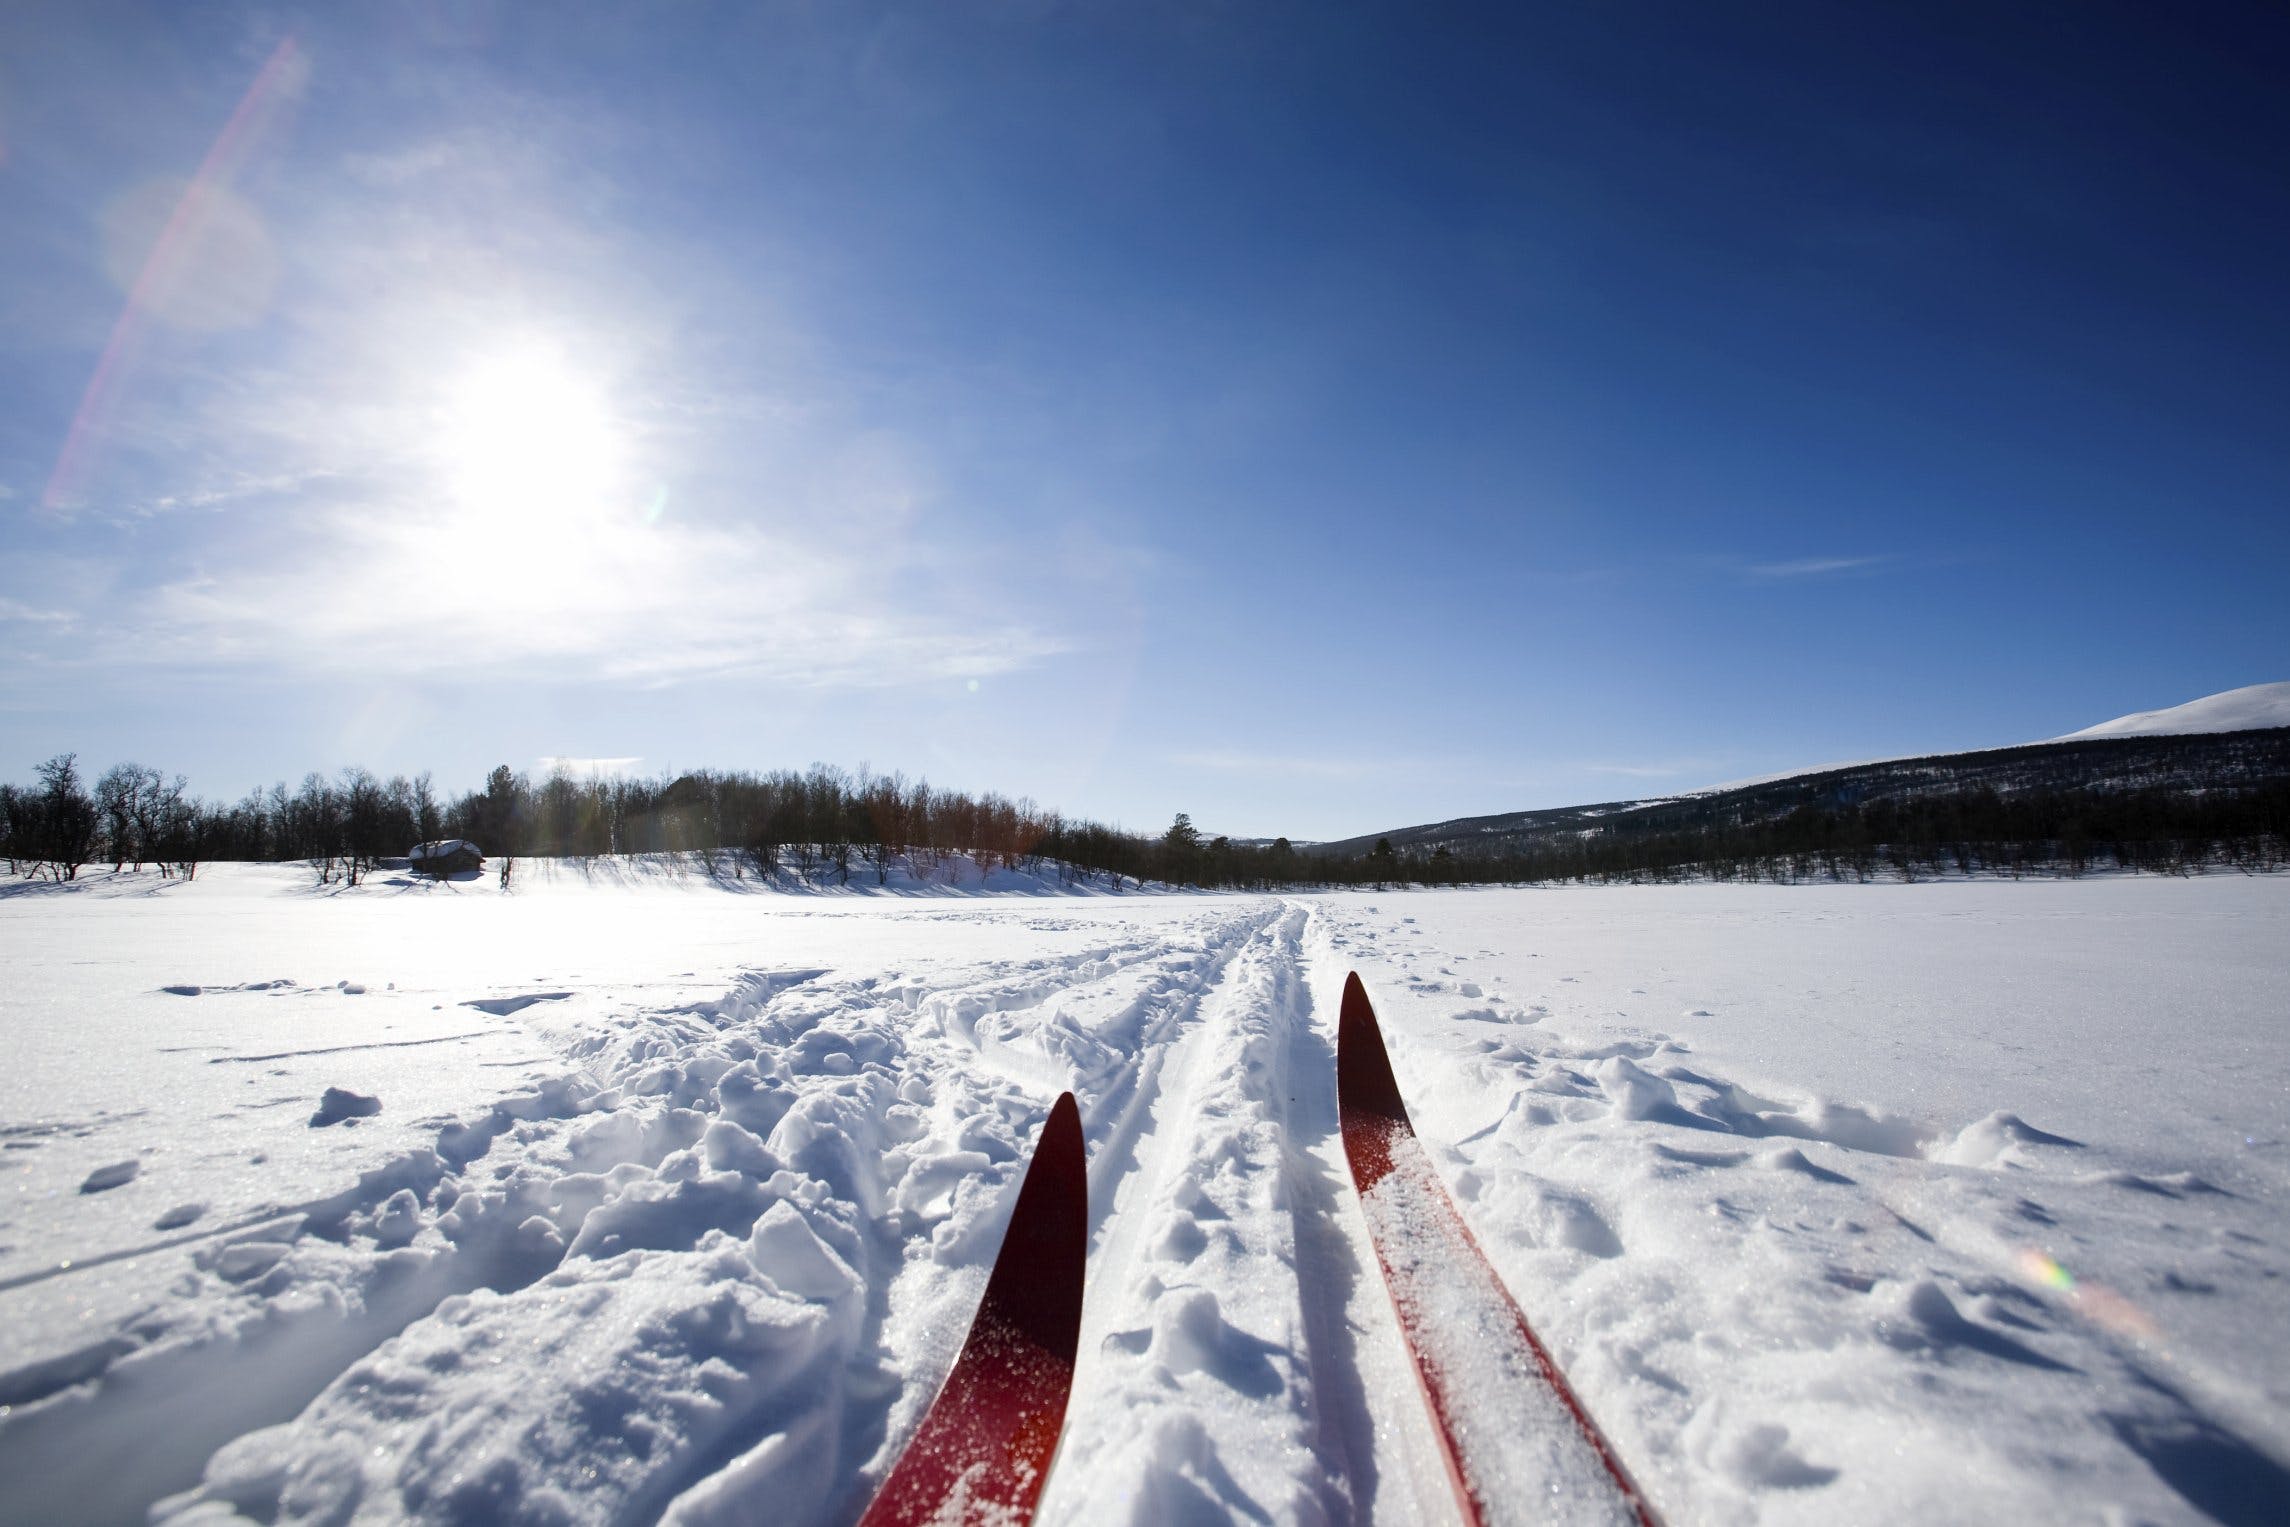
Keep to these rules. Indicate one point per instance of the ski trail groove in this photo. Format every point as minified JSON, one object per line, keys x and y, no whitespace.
{"x":1195,"y":1396}
{"x":1103,"y":1025}
{"x":1329,"y":1272}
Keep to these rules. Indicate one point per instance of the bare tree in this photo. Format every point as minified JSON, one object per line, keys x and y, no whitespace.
{"x":314,"y":825}
{"x":120,"y":801}
{"x":16,"y":828}
{"x":425,"y":815}
{"x":70,"y":817}
{"x":155,"y":802}
{"x":176,"y":828}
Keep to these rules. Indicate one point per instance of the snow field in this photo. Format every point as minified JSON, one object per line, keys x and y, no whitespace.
{"x":1834,"y":1203}
{"x":1786,"y":1306}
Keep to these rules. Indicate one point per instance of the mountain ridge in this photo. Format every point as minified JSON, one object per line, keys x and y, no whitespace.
{"x":2184,"y":747}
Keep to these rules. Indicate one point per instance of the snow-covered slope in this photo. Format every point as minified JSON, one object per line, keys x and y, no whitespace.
{"x":2248,"y":709}
{"x":2260,"y":706}
{"x":649,"y":1197}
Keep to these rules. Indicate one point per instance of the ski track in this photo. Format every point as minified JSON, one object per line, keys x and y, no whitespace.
{"x":713,"y":1266}
{"x":1193,"y":1378}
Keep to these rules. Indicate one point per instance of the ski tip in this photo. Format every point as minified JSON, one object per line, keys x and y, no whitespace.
{"x":1036,"y":1284}
{"x":986,"y":1445}
{"x":1059,"y":1152}
{"x":1064,"y":1122}
{"x":1364,"y":1080}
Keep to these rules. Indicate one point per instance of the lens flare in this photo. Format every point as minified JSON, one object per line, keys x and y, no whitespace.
{"x":2095,"y":1302}
{"x":160,"y":283}
{"x":2040,"y":1268}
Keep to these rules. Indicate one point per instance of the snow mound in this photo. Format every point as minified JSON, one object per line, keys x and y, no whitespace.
{"x":2251,"y":708}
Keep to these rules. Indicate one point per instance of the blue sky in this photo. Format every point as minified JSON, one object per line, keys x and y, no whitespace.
{"x":1317,"y":418}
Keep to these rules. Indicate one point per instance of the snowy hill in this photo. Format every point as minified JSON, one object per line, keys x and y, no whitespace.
{"x":2252,"y":708}
{"x":2249,"y":709}
{"x":2194,"y":769}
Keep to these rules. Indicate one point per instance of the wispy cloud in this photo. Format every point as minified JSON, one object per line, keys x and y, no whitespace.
{"x":589,"y":767}
{"x":757,"y":524}
{"x":389,"y":590}
{"x":1814,"y":567}
{"x":18,"y":610}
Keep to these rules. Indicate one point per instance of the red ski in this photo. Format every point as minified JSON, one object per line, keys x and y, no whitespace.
{"x":1518,"y":1444}
{"x":983,"y":1451}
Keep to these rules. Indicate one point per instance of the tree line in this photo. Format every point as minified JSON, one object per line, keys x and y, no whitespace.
{"x":826,"y":825}
{"x":817,"y":826}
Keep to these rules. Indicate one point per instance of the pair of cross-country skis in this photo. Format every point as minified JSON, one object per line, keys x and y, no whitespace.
{"x":1517,"y":1442}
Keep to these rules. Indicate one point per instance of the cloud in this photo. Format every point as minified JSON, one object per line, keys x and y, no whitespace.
{"x":385,"y":590}
{"x":18,"y":610}
{"x":223,"y":493}
{"x":1813,"y":567}
{"x":592,"y":767}
{"x":325,"y":507}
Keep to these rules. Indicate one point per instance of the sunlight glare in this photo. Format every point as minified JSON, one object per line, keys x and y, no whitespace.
{"x":529,"y":444}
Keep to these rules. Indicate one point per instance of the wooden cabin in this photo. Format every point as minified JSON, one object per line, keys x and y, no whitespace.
{"x":446,"y":856}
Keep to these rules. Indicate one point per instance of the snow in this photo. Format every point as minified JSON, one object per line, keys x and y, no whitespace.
{"x":641,"y":1193}
{"x":2247,"y":709}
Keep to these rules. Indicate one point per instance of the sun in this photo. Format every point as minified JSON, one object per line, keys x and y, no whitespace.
{"x":529,"y":443}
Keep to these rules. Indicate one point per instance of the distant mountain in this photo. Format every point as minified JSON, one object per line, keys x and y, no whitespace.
{"x":2249,"y":709}
{"x":2253,"y":708}
{"x":2224,"y":754}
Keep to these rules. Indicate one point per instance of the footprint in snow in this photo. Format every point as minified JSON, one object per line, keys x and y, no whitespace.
{"x":1191,"y":1335}
{"x":340,"y":1104}
{"x":1760,"y":1457}
{"x":244,"y":1261}
{"x":105,"y":1178}
{"x":187,"y":989}
{"x":502,"y":1007}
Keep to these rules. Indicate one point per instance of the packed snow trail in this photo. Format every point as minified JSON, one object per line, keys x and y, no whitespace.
{"x":1205,"y":1390}
{"x":650,"y":1198}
